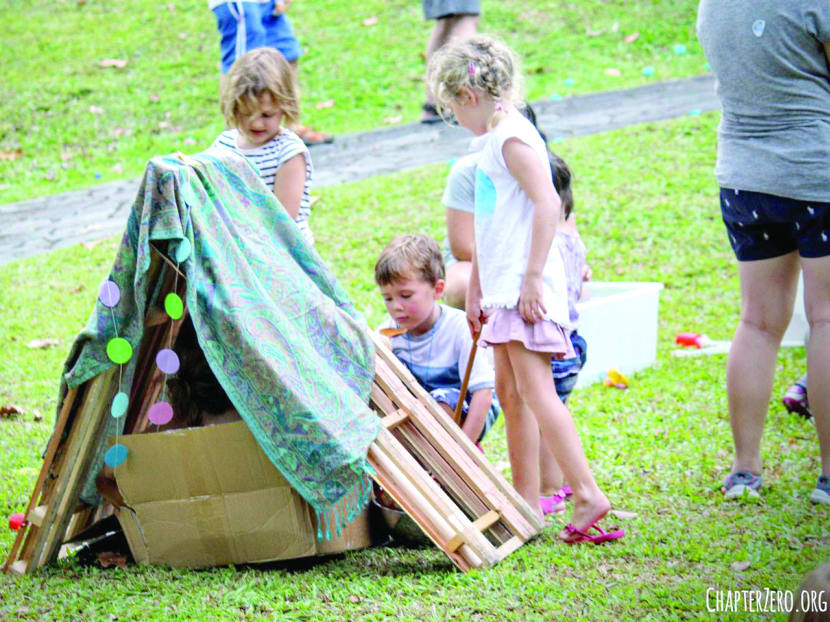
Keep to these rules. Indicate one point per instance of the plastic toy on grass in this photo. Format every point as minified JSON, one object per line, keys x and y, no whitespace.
{"x":16,"y":521}
{"x":701,"y":344}
{"x":615,"y":379}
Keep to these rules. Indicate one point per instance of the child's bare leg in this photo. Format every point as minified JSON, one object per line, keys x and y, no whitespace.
{"x":551,"y":476}
{"x":521,"y":430}
{"x":534,"y":383}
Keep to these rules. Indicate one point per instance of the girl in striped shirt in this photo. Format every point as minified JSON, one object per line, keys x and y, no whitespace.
{"x":257,"y":94}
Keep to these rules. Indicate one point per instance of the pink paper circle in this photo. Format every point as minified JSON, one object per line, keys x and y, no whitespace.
{"x":160,"y":413}
{"x":168,"y":361}
{"x":109,"y":294}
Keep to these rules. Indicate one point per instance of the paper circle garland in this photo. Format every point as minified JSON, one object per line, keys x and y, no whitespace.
{"x":168,"y":361}
{"x":116,"y":455}
{"x":183,"y":250}
{"x":109,"y":294}
{"x":173,"y":305}
{"x":119,"y":405}
{"x":160,"y":413}
{"x":119,"y":350}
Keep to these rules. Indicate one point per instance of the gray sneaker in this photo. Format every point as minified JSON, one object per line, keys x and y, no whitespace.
{"x":741,"y":483}
{"x":822,"y":492}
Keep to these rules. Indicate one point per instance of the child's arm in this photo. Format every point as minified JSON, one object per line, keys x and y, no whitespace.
{"x":477,"y":413}
{"x":524,"y":165}
{"x":461,"y":234}
{"x":290,"y":184}
{"x":472,"y":304}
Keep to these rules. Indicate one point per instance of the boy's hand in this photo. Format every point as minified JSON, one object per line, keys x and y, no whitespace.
{"x":531,"y":307}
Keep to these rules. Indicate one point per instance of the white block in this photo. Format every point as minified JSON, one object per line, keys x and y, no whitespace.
{"x":619,"y":324}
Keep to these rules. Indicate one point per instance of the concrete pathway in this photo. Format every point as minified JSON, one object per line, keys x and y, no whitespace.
{"x":41,"y":225}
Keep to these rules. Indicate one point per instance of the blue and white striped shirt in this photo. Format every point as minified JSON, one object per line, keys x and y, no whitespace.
{"x":269,"y":157}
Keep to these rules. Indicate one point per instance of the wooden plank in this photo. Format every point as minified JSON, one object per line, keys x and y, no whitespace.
{"x":36,"y":516}
{"x":396,"y":418}
{"x":509,"y":547}
{"x":463,"y":460}
{"x":388,"y":357}
{"x":51,"y":449}
{"x":19,"y":567}
{"x":481,"y":523}
{"x":86,"y":431}
{"x":438,"y":500}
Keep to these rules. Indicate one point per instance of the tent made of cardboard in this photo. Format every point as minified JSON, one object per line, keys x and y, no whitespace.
{"x":207,"y":231}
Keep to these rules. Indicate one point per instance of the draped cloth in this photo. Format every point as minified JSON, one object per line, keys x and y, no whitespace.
{"x":278,"y":331}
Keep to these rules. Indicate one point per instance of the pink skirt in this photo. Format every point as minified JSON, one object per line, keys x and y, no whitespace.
{"x":505,"y":325}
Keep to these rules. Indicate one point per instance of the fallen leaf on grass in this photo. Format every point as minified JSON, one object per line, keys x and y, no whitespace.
{"x":76,"y":289}
{"x":593,"y":33}
{"x":10,"y":410}
{"x":631,"y":38}
{"x":154,"y":98}
{"x":326,"y":104}
{"x":40,"y":344}
{"x":114,"y":62}
{"x":37,"y":416}
{"x":354,"y":598}
{"x":740,"y":566}
{"x":370,"y":21}
{"x":623,"y":514}
{"x":182,"y":36}
{"x":117,"y":168}
{"x":96,"y":110}
{"x":11,"y":155}
{"x":90,"y":246}
{"x":396,"y":119}
{"x":613,"y":72}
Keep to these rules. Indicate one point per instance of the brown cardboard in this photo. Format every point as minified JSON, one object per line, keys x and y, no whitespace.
{"x":209,"y":496}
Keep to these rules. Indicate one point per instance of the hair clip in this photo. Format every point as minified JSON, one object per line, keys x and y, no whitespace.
{"x":471,"y":69}
{"x":498,"y":106}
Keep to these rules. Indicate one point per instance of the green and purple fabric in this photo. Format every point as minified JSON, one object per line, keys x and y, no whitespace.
{"x":278,"y":331}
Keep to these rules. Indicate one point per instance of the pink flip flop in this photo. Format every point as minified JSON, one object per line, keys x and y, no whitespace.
{"x":578,"y":536}
{"x":556,"y":503}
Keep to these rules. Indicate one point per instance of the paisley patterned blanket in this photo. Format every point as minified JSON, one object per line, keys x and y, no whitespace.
{"x":278,"y":331}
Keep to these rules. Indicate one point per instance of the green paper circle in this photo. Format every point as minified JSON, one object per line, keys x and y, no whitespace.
{"x":119,"y":350}
{"x":119,"y":405}
{"x":173,"y":305}
{"x":183,"y":250}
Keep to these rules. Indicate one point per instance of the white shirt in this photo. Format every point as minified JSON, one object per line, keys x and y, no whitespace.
{"x":504,"y":224}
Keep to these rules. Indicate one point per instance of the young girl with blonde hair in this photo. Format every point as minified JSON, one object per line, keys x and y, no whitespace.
{"x":516,"y":282}
{"x":258,"y":95}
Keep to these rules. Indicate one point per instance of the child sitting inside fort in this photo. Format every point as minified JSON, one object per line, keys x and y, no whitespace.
{"x":435,"y":342}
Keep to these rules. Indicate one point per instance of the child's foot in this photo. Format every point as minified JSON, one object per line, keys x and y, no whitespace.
{"x":821,"y":494}
{"x":555,"y":504}
{"x":586,"y":515}
{"x":795,"y":401}
{"x":741,"y":483}
{"x":312,"y":137}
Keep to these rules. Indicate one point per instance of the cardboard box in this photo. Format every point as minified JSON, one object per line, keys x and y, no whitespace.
{"x":209,"y":496}
{"x":619,"y":324}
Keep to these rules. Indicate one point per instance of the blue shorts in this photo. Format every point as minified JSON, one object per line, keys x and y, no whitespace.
{"x":565,"y":372}
{"x":246,"y":26}
{"x":450,"y":398}
{"x":763,"y":226}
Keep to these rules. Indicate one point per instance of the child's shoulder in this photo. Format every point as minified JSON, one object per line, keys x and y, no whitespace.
{"x":454,"y":322}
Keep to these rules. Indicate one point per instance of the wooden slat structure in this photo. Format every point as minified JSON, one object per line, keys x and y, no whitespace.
{"x":421,"y":458}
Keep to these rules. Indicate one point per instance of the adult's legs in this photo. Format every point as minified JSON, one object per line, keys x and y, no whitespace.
{"x":817,"y":307}
{"x":455,"y":283}
{"x":521,"y":430}
{"x":445,"y":29}
{"x":768,"y":289}
{"x":534,"y":383}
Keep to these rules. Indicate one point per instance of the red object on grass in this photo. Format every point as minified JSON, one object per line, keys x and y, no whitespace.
{"x":16,"y":521}
{"x":689,"y":339}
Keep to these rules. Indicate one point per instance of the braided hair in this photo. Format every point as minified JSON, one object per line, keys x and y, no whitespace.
{"x":479,"y":63}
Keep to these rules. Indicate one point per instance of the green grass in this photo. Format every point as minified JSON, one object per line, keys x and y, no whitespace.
{"x":647,"y":208}
{"x":165,"y":99}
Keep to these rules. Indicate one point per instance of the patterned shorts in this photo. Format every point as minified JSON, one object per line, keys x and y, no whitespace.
{"x":763,"y":226}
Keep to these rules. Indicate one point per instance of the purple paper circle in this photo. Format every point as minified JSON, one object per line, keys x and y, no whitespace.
{"x":109,"y":294}
{"x":160,"y":413}
{"x":168,"y":361}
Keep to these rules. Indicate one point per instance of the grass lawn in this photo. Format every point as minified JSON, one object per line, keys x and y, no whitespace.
{"x":646,"y":202}
{"x":66,"y":122}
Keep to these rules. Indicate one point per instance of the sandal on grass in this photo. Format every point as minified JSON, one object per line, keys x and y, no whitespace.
{"x":312,"y":137}
{"x":430,"y":114}
{"x":579,"y":536}
{"x":556,"y":503}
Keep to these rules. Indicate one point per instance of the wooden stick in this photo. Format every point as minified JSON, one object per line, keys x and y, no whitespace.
{"x":463,"y":394}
